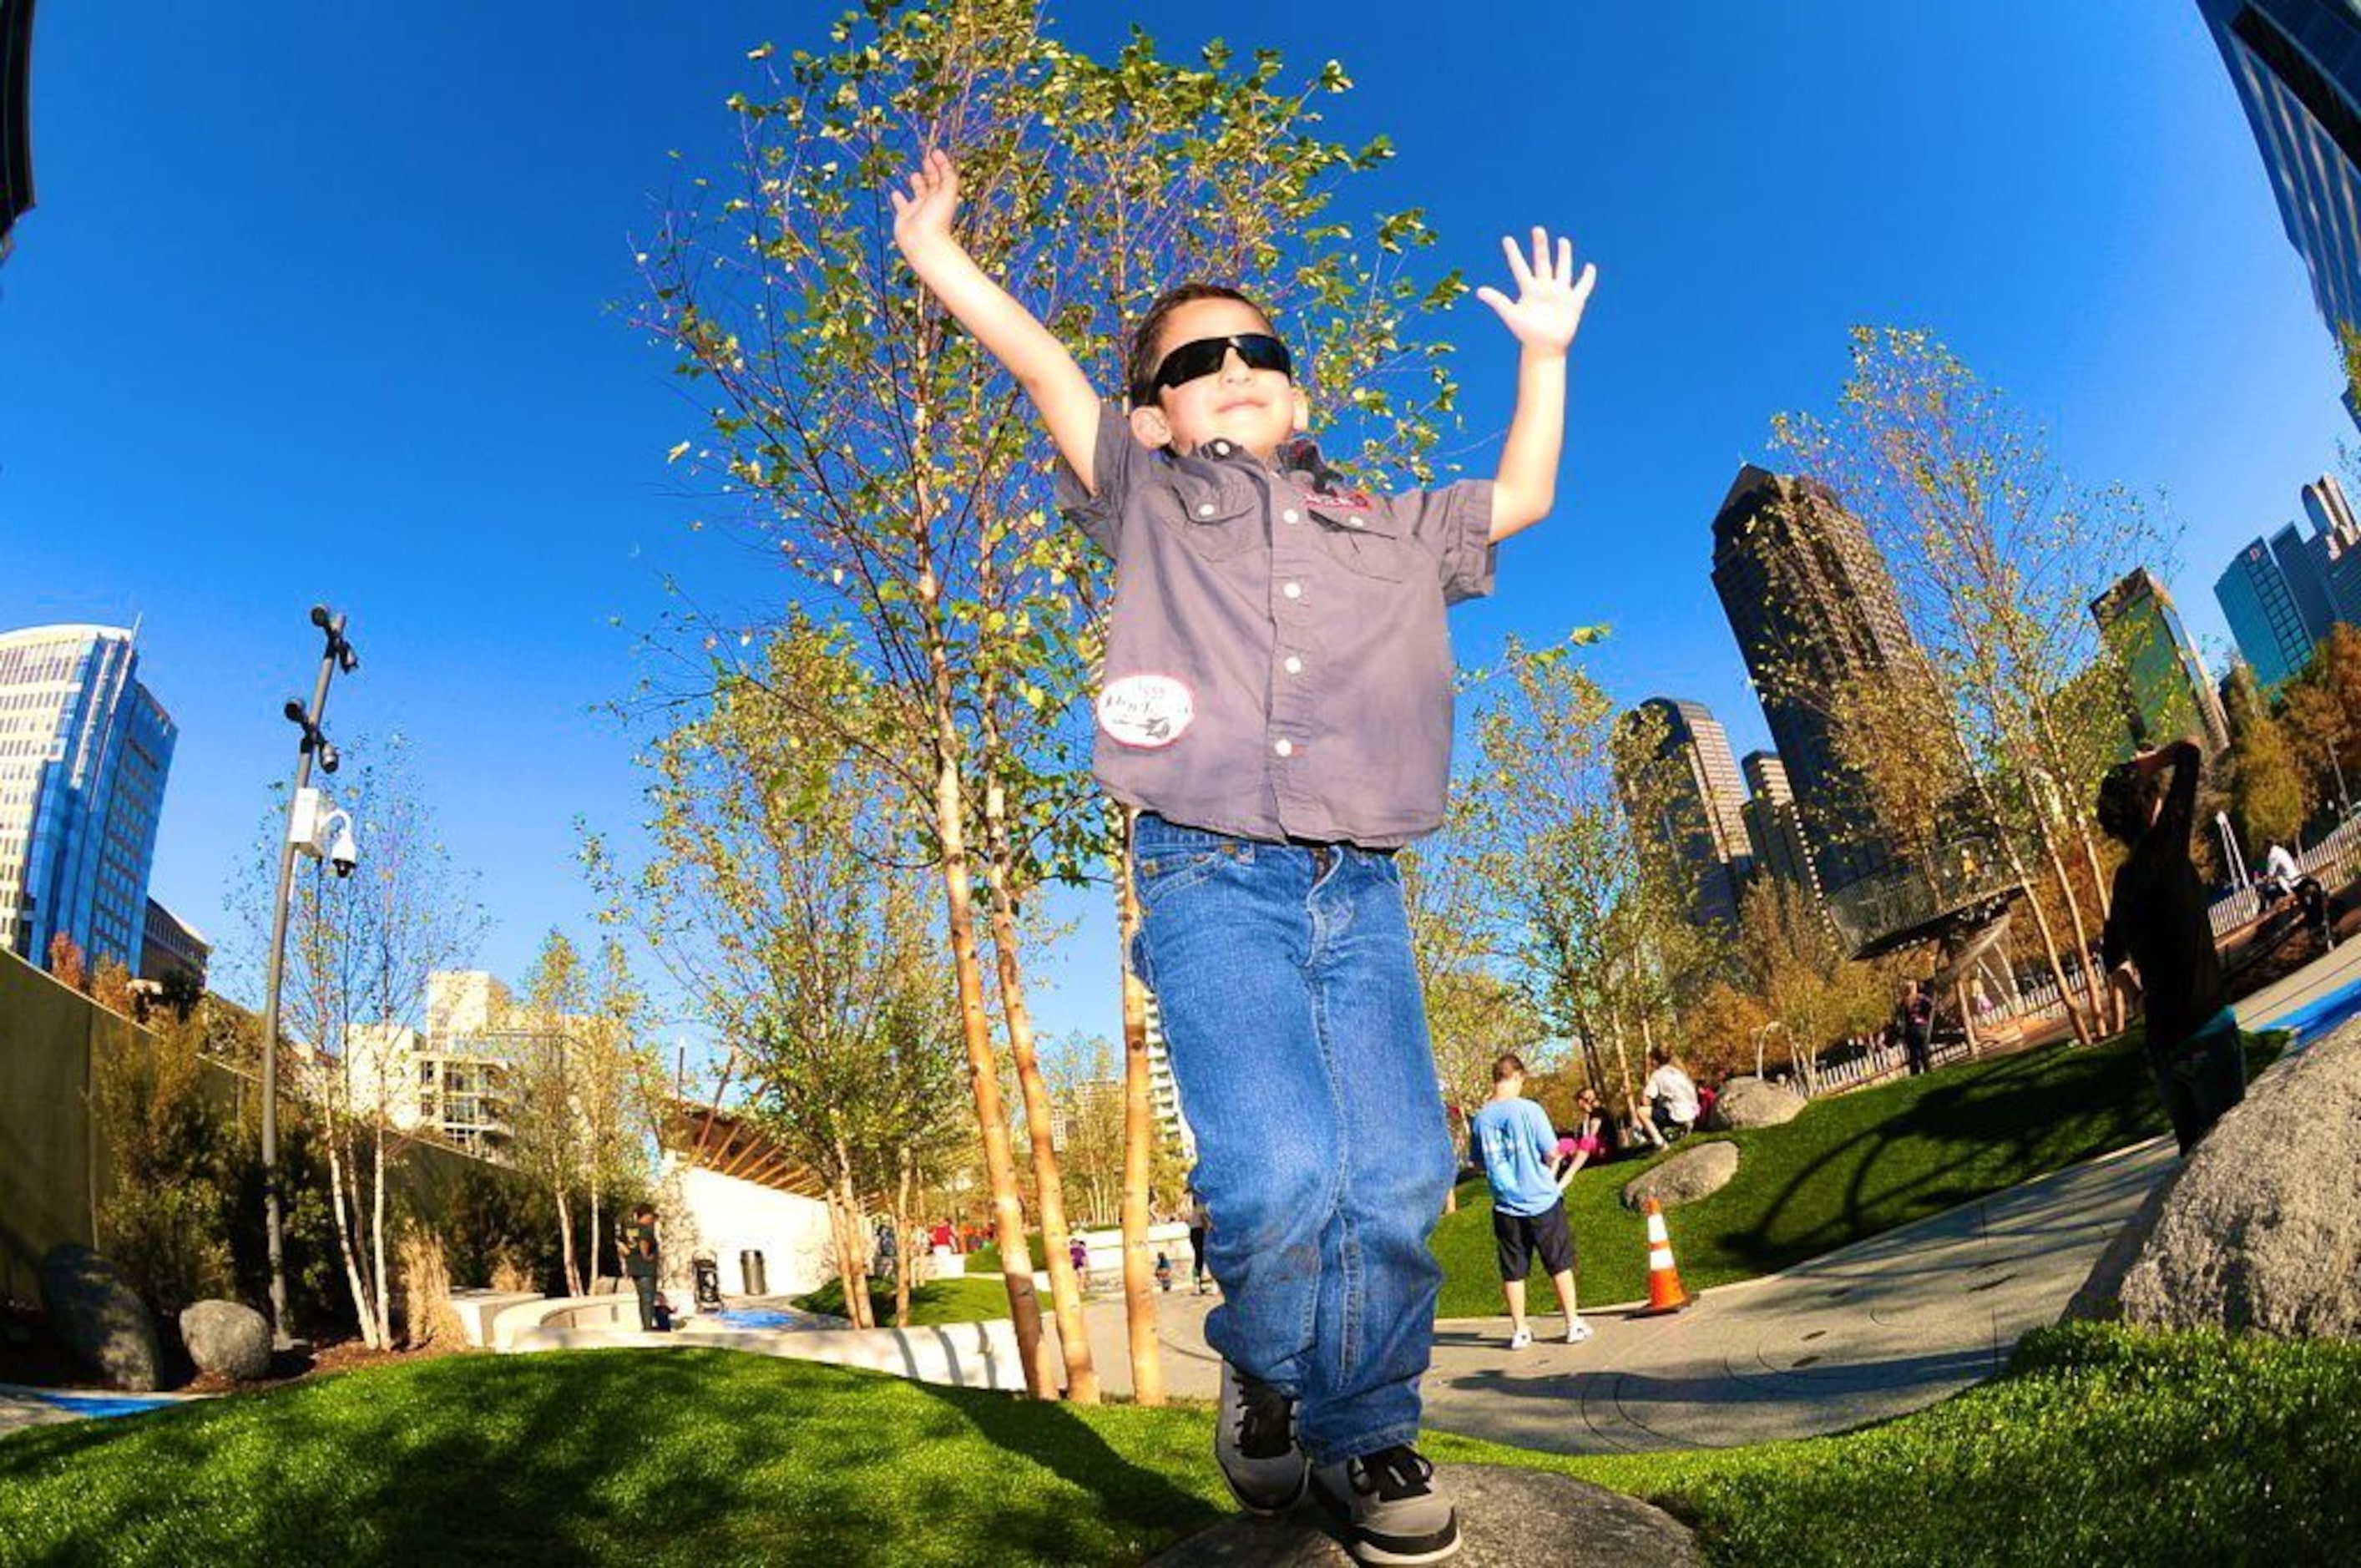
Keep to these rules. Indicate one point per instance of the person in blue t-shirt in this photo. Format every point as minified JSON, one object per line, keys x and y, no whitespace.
{"x":1521,"y":1162}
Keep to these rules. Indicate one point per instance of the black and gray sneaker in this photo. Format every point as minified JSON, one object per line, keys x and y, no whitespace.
{"x":1254,"y":1442}
{"x":1389,"y":1498}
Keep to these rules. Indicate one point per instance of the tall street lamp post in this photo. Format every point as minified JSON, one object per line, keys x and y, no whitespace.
{"x":303,"y":828}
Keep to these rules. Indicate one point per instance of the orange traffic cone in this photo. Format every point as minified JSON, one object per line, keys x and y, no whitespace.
{"x":1665,"y":1292}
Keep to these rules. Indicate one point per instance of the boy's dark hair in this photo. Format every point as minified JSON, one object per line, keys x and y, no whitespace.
{"x":1661,"y":1055}
{"x":1505,"y":1066}
{"x":2127,"y":801}
{"x":1144,"y":355}
{"x":644,"y":1211}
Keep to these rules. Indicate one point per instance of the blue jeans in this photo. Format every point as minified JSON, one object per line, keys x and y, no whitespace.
{"x":1297,"y":1040}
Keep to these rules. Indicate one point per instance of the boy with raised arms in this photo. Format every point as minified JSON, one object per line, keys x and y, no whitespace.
{"x":1276,"y":706}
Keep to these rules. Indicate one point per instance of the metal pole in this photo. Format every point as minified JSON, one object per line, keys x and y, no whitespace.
{"x":270,"y":1204}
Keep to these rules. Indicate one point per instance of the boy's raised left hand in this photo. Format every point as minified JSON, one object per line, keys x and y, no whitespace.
{"x":1550,"y":297}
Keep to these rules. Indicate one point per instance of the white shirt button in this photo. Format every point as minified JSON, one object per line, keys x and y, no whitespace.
{"x":1294,"y":667}
{"x":1285,"y":748}
{"x":1290,"y":515}
{"x":1353,"y":523}
{"x":1220,"y":449}
{"x":1293,"y":590}
{"x":1206,"y":509}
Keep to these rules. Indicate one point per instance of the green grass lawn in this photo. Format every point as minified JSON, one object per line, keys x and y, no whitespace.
{"x":1850,"y":1167}
{"x":937,"y":1302}
{"x":2098,"y":1446}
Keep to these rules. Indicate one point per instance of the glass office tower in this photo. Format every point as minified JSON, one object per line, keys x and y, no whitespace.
{"x":84,"y":750}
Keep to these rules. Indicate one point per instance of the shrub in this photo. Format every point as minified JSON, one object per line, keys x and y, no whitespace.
{"x":427,"y":1318}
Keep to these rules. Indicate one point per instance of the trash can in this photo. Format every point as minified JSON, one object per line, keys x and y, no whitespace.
{"x":755,"y":1282}
{"x":708,"y":1275}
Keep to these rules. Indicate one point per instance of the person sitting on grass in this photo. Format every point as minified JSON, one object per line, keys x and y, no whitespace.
{"x":1591,"y":1140}
{"x":2158,"y":942}
{"x":1275,"y":704}
{"x":1671,"y":1109}
{"x":1521,"y":1164}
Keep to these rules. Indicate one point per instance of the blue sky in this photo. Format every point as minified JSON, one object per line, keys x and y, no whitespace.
{"x":317,"y":305}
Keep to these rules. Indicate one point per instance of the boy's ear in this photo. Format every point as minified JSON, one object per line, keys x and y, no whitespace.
{"x":1149,"y":428}
{"x":1302,"y":411}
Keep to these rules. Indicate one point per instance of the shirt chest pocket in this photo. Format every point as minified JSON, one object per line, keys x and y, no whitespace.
{"x":1366,"y":541}
{"x":1217,"y":521}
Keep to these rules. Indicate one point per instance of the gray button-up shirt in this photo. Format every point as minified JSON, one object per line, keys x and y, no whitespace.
{"x":1276,"y":664}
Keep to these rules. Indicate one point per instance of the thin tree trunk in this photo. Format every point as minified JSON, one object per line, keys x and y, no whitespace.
{"x":565,"y":1238}
{"x":903,"y":1239}
{"x":856,"y":1243}
{"x":950,"y":807}
{"x":345,"y":1244}
{"x":384,"y":1303}
{"x":597,"y":1248}
{"x":1139,"y":1133}
{"x":1065,"y":1288}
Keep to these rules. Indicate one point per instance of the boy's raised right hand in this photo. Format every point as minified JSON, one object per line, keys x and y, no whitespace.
{"x":922,"y":230}
{"x":923,"y":217}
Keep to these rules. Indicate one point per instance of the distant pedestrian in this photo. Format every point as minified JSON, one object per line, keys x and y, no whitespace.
{"x":1163,"y":1272}
{"x":1914,"y":1020}
{"x":1079,"y":1252}
{"x":1528,"y":1199}
{"x":1198,"y":1221}
{"x":641,"y":1261}
{"x":2158,"y":941}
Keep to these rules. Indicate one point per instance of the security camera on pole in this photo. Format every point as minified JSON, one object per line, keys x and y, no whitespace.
{"x":308,"y":824}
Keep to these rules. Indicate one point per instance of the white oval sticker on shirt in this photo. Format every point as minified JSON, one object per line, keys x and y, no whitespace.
{"x":1146,"y":711}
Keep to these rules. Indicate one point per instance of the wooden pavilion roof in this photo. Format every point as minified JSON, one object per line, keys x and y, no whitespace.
{"x":729,"y":1145}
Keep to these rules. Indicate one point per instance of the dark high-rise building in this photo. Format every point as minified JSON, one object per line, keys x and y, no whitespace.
{"x":2171,"y":694}
{"x":1815,"y":611}
{"x":2264,"y":616}
{"x":2297,"y":67}
{"x":171,"y":945}
{"x":15,"y":115}
{"x":1772,"y":828}
{"x":1701,"y":813}
{"x":2307,"y":582}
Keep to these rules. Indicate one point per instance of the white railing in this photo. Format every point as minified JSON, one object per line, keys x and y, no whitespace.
{"x":2331,"y":863}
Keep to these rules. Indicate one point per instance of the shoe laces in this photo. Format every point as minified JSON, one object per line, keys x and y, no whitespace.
{"x":1395,"y":1473}
{"x":1266,"y":1419}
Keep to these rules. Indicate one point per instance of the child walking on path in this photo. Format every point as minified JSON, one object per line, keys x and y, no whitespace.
{"x":1276,"y":706}
{"x":1521,"y":1163}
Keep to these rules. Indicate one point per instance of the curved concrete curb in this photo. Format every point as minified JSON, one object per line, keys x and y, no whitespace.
{"x":961,"y":1355}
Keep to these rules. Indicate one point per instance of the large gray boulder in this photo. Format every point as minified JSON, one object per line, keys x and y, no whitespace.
{"x":98,"y":1318}
{"x":2262,"y":1230}
{"x":227,"y":1337}
{"x":1694,"y":1173}
{"x":1752,"y":1102}
{"x":1507,"y":1518}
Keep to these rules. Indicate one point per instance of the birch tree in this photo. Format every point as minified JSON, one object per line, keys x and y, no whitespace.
{"x":1997,"y":556}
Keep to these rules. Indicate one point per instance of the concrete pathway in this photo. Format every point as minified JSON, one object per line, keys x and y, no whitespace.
{"x":1881,"y":1327}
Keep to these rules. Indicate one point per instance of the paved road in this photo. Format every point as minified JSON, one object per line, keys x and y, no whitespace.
{"x":1884,"y":1327}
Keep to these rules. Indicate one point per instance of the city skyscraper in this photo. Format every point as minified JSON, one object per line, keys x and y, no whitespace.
{"x":2263,"y":615}
{"x":84,"y":750}
{"x":1704,"y":817}
{"x":2295,"y":65}
{"x":1772,"y":828}
{"x":1814,"y":609}
{"x":2171,"y":694}
{"x":2307,"y":583}
{"x":16,"y":116}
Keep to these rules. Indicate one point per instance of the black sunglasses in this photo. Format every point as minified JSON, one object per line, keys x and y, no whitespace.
{"x":1206,"y":357}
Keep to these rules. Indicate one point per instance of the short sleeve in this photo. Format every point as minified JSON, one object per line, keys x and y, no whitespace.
{"x":1544,"y":1136}
{"x":1454,"y":525}
{"x":1114,"y":461}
